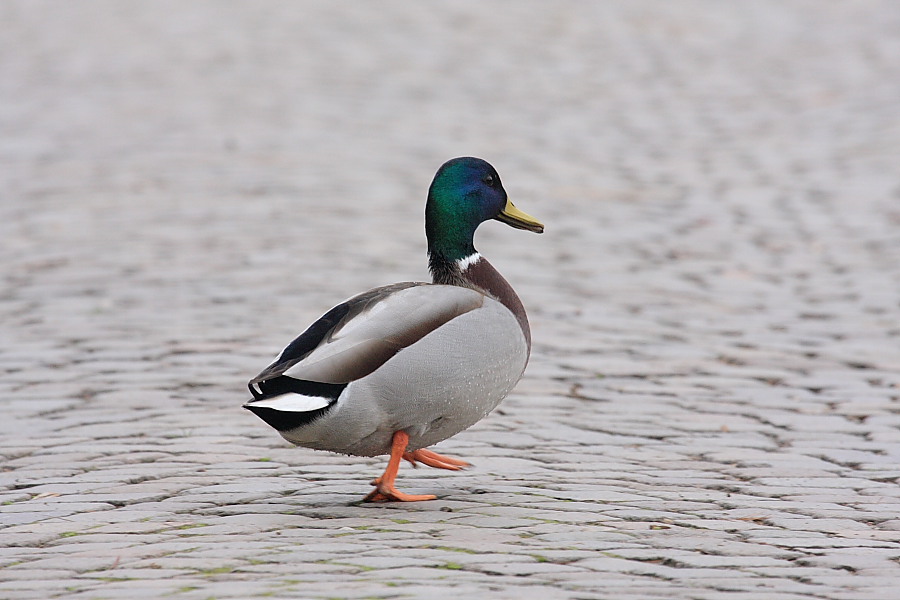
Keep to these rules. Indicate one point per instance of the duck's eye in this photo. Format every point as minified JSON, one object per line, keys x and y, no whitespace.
{"x":489,"y":180}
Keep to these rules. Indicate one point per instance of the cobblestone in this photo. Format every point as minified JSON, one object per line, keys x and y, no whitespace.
{"x":712,"y":409}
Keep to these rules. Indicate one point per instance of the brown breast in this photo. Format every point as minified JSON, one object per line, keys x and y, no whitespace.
{"x":484,"y":275}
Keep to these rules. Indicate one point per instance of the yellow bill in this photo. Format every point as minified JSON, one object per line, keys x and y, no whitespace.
{"x":514,"y":217}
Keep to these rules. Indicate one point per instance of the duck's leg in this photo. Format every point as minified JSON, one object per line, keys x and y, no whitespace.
{"x":433,"y":459}
{"x":384,"y":486}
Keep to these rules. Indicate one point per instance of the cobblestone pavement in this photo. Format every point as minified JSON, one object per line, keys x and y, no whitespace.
{"x":713,"y":406}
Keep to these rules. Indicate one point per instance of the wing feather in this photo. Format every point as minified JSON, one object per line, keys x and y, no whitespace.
{"x":356,"y":337}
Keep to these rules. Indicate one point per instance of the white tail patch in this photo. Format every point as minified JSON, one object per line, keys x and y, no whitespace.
{"x":292,"y":402}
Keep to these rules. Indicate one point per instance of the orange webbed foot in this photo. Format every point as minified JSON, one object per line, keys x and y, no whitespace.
{"x":433,"y":459}
{"x":384,"y":486}
{"x":392,"y":494}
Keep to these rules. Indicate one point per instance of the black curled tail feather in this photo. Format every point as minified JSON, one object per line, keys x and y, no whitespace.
{"x":283,"y":384}
{"x":278,"y":386}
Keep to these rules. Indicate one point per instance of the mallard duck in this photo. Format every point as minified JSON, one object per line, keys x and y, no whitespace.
{"x":402,"y":367}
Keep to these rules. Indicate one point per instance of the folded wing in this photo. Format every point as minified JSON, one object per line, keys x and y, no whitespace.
{"x":357,"y":336}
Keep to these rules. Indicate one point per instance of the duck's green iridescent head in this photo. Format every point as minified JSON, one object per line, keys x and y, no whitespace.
{"x":466,"y":192}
